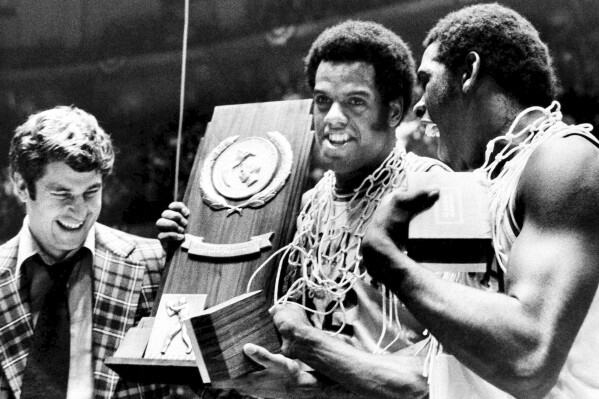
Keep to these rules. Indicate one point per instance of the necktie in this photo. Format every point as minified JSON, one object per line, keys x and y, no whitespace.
{"x":47,"y":370}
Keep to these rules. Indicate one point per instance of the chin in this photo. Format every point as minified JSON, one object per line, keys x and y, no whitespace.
{"x":332,"y":160}
{"x":73,"y":244}
{"x":73,"y":239}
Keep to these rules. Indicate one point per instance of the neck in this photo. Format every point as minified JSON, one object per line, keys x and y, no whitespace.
{"x":498,"y":114}
{"x":346,"y":183}
{"x":494,"y":113}
{"x":523,"y":123}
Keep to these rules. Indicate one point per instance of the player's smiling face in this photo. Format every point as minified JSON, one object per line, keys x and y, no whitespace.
{"x":67,"y":204}
{"x":351,"y":123}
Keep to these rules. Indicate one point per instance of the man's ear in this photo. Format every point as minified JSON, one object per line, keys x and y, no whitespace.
{"x":20,"y":187}
{"x":470,"y":75}
{"x":395,"y":112}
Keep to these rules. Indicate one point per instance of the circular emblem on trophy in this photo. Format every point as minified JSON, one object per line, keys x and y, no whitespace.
{"x":245,"y":168}
{"x":253,"y":169}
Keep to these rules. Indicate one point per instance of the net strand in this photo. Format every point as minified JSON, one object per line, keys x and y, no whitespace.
{"x":503,"y":171}
{"x":324,"y":255}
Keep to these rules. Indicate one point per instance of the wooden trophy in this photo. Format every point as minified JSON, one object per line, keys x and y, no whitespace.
{"x":244,"y":195}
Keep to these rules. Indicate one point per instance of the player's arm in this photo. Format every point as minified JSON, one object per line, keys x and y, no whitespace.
{"x":335,"y":369}
{"x":518,"y":340}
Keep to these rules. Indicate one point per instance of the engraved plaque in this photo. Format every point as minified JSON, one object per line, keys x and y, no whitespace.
{"x":254,"y":167}
{"x":244,"y":193}
{"x":245,"y":168}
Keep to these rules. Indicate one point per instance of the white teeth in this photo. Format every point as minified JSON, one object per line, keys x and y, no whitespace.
{"x":71,"y":226}
{"x":431,"y":130}
{"x":338,"y":138}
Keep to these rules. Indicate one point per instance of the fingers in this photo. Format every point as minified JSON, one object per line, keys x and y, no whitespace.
{"x":260,"y":355}
{"x":416,"y":201}
{"x":281,"y":378}
{"x":270,"y":360}
{"x":169,"y":231}
{"x":397,"y":209}
{"x":179,"y":207}
{"x":173,"y":218}
{"x":405,"y":203}
{"x":171,"y":225}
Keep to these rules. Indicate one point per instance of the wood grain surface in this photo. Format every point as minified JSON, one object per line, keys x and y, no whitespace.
{"x":223,"y":279}
{"x":222,"y":331}
{"x":226,"y":278}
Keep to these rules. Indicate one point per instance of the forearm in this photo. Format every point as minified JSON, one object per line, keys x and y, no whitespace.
{"x":364,"y":374}
{"x":495,"y":335}
{"x":481,"y":326}
{"x":519,"y":340}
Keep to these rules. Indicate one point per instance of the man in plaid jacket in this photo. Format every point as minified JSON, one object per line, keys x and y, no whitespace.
{"x":59,"y":159}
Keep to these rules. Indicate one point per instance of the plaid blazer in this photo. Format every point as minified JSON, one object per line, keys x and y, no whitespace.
{"x":126,"y":275}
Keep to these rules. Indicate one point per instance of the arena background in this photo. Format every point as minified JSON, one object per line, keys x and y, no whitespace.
{"x":121,"y":61}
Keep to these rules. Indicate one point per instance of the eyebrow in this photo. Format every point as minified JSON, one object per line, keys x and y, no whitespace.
{"x":355,"y":92}
{"x":93,"y":186}
{"x":56,"y":187}
{"x":60,"y":187}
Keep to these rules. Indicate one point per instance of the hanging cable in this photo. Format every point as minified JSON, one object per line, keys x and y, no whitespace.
{"x":181,"y":99}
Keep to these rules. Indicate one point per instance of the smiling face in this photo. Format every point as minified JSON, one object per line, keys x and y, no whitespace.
{"x":67,"y":204}
{"x":443,"y":104}
{"x":354,"y":130}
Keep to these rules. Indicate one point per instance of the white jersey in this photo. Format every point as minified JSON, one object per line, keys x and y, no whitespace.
{"x":360,"y":319}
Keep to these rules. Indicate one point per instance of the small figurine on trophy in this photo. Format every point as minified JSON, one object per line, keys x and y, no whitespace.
{"x":178,"y":308}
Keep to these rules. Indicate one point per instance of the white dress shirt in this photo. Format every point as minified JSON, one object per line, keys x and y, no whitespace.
{"x":81,"y":382}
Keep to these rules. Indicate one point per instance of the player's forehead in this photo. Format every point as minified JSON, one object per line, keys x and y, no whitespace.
{"x":354,"y":77}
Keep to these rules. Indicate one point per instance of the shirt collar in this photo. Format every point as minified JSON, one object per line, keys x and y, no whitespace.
{"x":28,"y":246}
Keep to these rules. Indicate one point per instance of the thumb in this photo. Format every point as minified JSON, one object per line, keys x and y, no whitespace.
{"x":260,"y":355}
{"x":268,"y":360}
{"x":399,"y":207}
{"x":415,"y":201}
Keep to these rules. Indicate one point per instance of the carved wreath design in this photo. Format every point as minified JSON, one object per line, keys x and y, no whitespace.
{"x":218,"y":202}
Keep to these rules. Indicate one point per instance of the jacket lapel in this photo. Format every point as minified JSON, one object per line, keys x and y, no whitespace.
{"x":15,"y":316}
{"x":117,"y":285}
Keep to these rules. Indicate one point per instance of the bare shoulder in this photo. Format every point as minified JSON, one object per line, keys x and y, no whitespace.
{"x":560,"y":183}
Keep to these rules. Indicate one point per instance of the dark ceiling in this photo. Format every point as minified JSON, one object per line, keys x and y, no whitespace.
{"x":127,"y":72}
